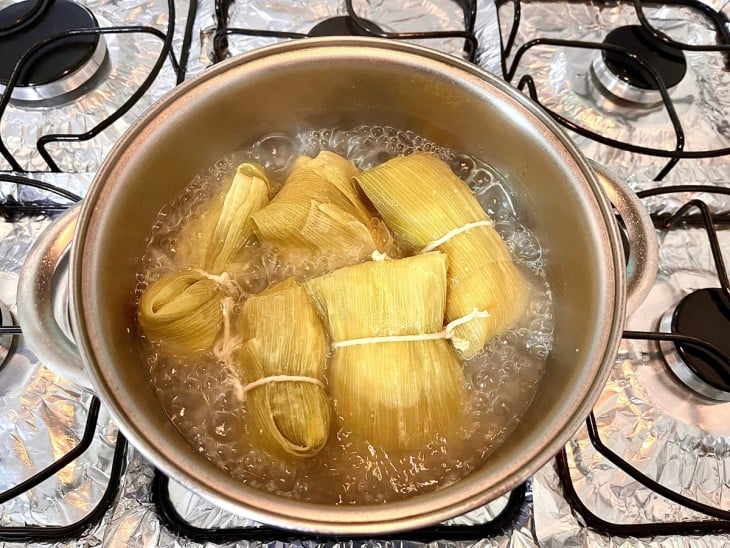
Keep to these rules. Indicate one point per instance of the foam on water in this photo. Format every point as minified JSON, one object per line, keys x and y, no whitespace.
{"x":199,"y":394}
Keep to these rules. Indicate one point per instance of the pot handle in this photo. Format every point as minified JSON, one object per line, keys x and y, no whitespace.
{"x":43,"y":300}
{"x":643,"y":259}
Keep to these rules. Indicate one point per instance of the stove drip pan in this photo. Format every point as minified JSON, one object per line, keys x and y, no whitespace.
{"x":704,"y":314}
{"x":623,"y":78}
{"x":60,"y":71}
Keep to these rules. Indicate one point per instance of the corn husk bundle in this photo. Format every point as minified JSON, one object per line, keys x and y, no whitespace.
{"x":319,"y":213}
{"x":422,"y":200}
{"x":396,"y":394}
{"x":218,"y":234}
{"x":284,"y":337}
{"x":183,"y":309}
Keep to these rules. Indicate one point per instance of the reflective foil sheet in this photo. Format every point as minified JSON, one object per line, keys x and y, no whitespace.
{"x":564,"y":82}
{"x":42,"y":416}
{"x":647,"y":417}
{"x":132,"y":56}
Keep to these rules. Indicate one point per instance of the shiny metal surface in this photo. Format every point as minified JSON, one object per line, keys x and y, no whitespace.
{"x":359,"y":81}
{"x":621,"y":89}
{"x":63,"y":87}
{"x":42,"y":285}
{"x":643,"y":258}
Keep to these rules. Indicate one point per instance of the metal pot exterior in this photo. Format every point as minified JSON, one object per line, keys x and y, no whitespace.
{"x":346,"y":82}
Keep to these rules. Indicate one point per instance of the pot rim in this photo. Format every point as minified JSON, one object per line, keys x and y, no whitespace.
{"x":353,"y":520}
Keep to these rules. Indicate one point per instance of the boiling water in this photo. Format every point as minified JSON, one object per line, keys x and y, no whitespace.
{"x":200,"y":397}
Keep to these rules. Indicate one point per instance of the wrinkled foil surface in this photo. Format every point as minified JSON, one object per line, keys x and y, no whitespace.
{"x":641,"y":414}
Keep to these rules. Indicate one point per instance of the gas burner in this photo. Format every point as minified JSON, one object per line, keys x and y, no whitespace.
{"x":704,"y":314}
{"x":342,"y":26}
{"x":60,"y":71}
{"x":623,"y":78}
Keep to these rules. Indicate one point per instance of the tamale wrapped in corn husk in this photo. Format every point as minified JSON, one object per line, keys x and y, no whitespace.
{"x":284,"y":338}
{"x":183,"y":310}
{"x":216,"y":237}
{"x":396,"y":394}
{"x":319,"y":213}
{"x":422,"y":200}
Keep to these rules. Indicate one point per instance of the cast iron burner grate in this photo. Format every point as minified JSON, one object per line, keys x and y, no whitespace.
{"x":8,"y":331}
{"x":25,"y":64}
{"x":622,"y":77}
{"x":350,"y":25}
{"x":58,"y":71}
{"x":641,"y":68}
{"x":700,"y":342}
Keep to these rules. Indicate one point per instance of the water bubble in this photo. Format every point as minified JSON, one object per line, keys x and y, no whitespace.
{"x":275,"y":152}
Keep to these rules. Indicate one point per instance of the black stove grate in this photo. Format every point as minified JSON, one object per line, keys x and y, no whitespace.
{"x":166,"y":52}
{"x":718,"y":519}
{"x":445,"y":533}
{"x":352,"y":24}
{"x":36,"y":533}
{"x":722,"y":27}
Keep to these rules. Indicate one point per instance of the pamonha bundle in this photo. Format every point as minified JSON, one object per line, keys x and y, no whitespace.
{"x":395,"y":392}
{"x":213,"y":240}
{"x":282,"y":366}
{"x":183,"y":308}
{"x":423,"y":202}
{"x":319,"y":214}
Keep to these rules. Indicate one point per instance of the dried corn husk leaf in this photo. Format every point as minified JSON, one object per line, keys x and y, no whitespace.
{"x":217,"y":236}
{"x":284,"y":336}
{"x":421,"y":200}
{"x":183,"y":310}
{"x":319,"y":213}
{"x":397,"y":395}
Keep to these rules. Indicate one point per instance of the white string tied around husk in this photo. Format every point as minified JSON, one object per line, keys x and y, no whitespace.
{"x":446,"y":333}
{"x":433,"y":244}
{"x":223,"y":281}
{"x":228,"y":344}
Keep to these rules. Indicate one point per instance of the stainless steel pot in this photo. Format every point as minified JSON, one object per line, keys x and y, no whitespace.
{"x":325,"y":83}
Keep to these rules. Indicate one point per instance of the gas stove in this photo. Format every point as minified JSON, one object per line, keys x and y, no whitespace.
{"x":642,"y":88}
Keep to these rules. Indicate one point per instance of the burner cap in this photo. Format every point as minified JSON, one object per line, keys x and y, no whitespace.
{"x":622,"y":77}
{"x":342,"y":26}
{"x":704,"y":314}
{"x":59,"y":69}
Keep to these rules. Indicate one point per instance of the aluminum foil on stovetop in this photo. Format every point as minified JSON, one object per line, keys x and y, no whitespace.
{"x":564,"y":82}
{"x":131,"y":56}
{"x":391,"y":16}
{"x":645,"y":416}
{"x":42,"y":417}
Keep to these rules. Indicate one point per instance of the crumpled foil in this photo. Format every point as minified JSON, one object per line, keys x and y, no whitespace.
{"x":131,"y":57}
{"x":662,"y":428}
{"x":563,"y":79}
{"x":42,"y":415}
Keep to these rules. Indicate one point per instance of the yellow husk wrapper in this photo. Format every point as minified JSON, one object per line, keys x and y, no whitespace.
{"x":216,"y":237}
{"x":318,"y":212}
{"x":397,"y":395}
{"x":421,"y":200}
{"x":183,"y":309}
{"x":284,"y":336}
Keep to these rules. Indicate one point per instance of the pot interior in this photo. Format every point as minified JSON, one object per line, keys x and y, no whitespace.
{"x":342,"y":83}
